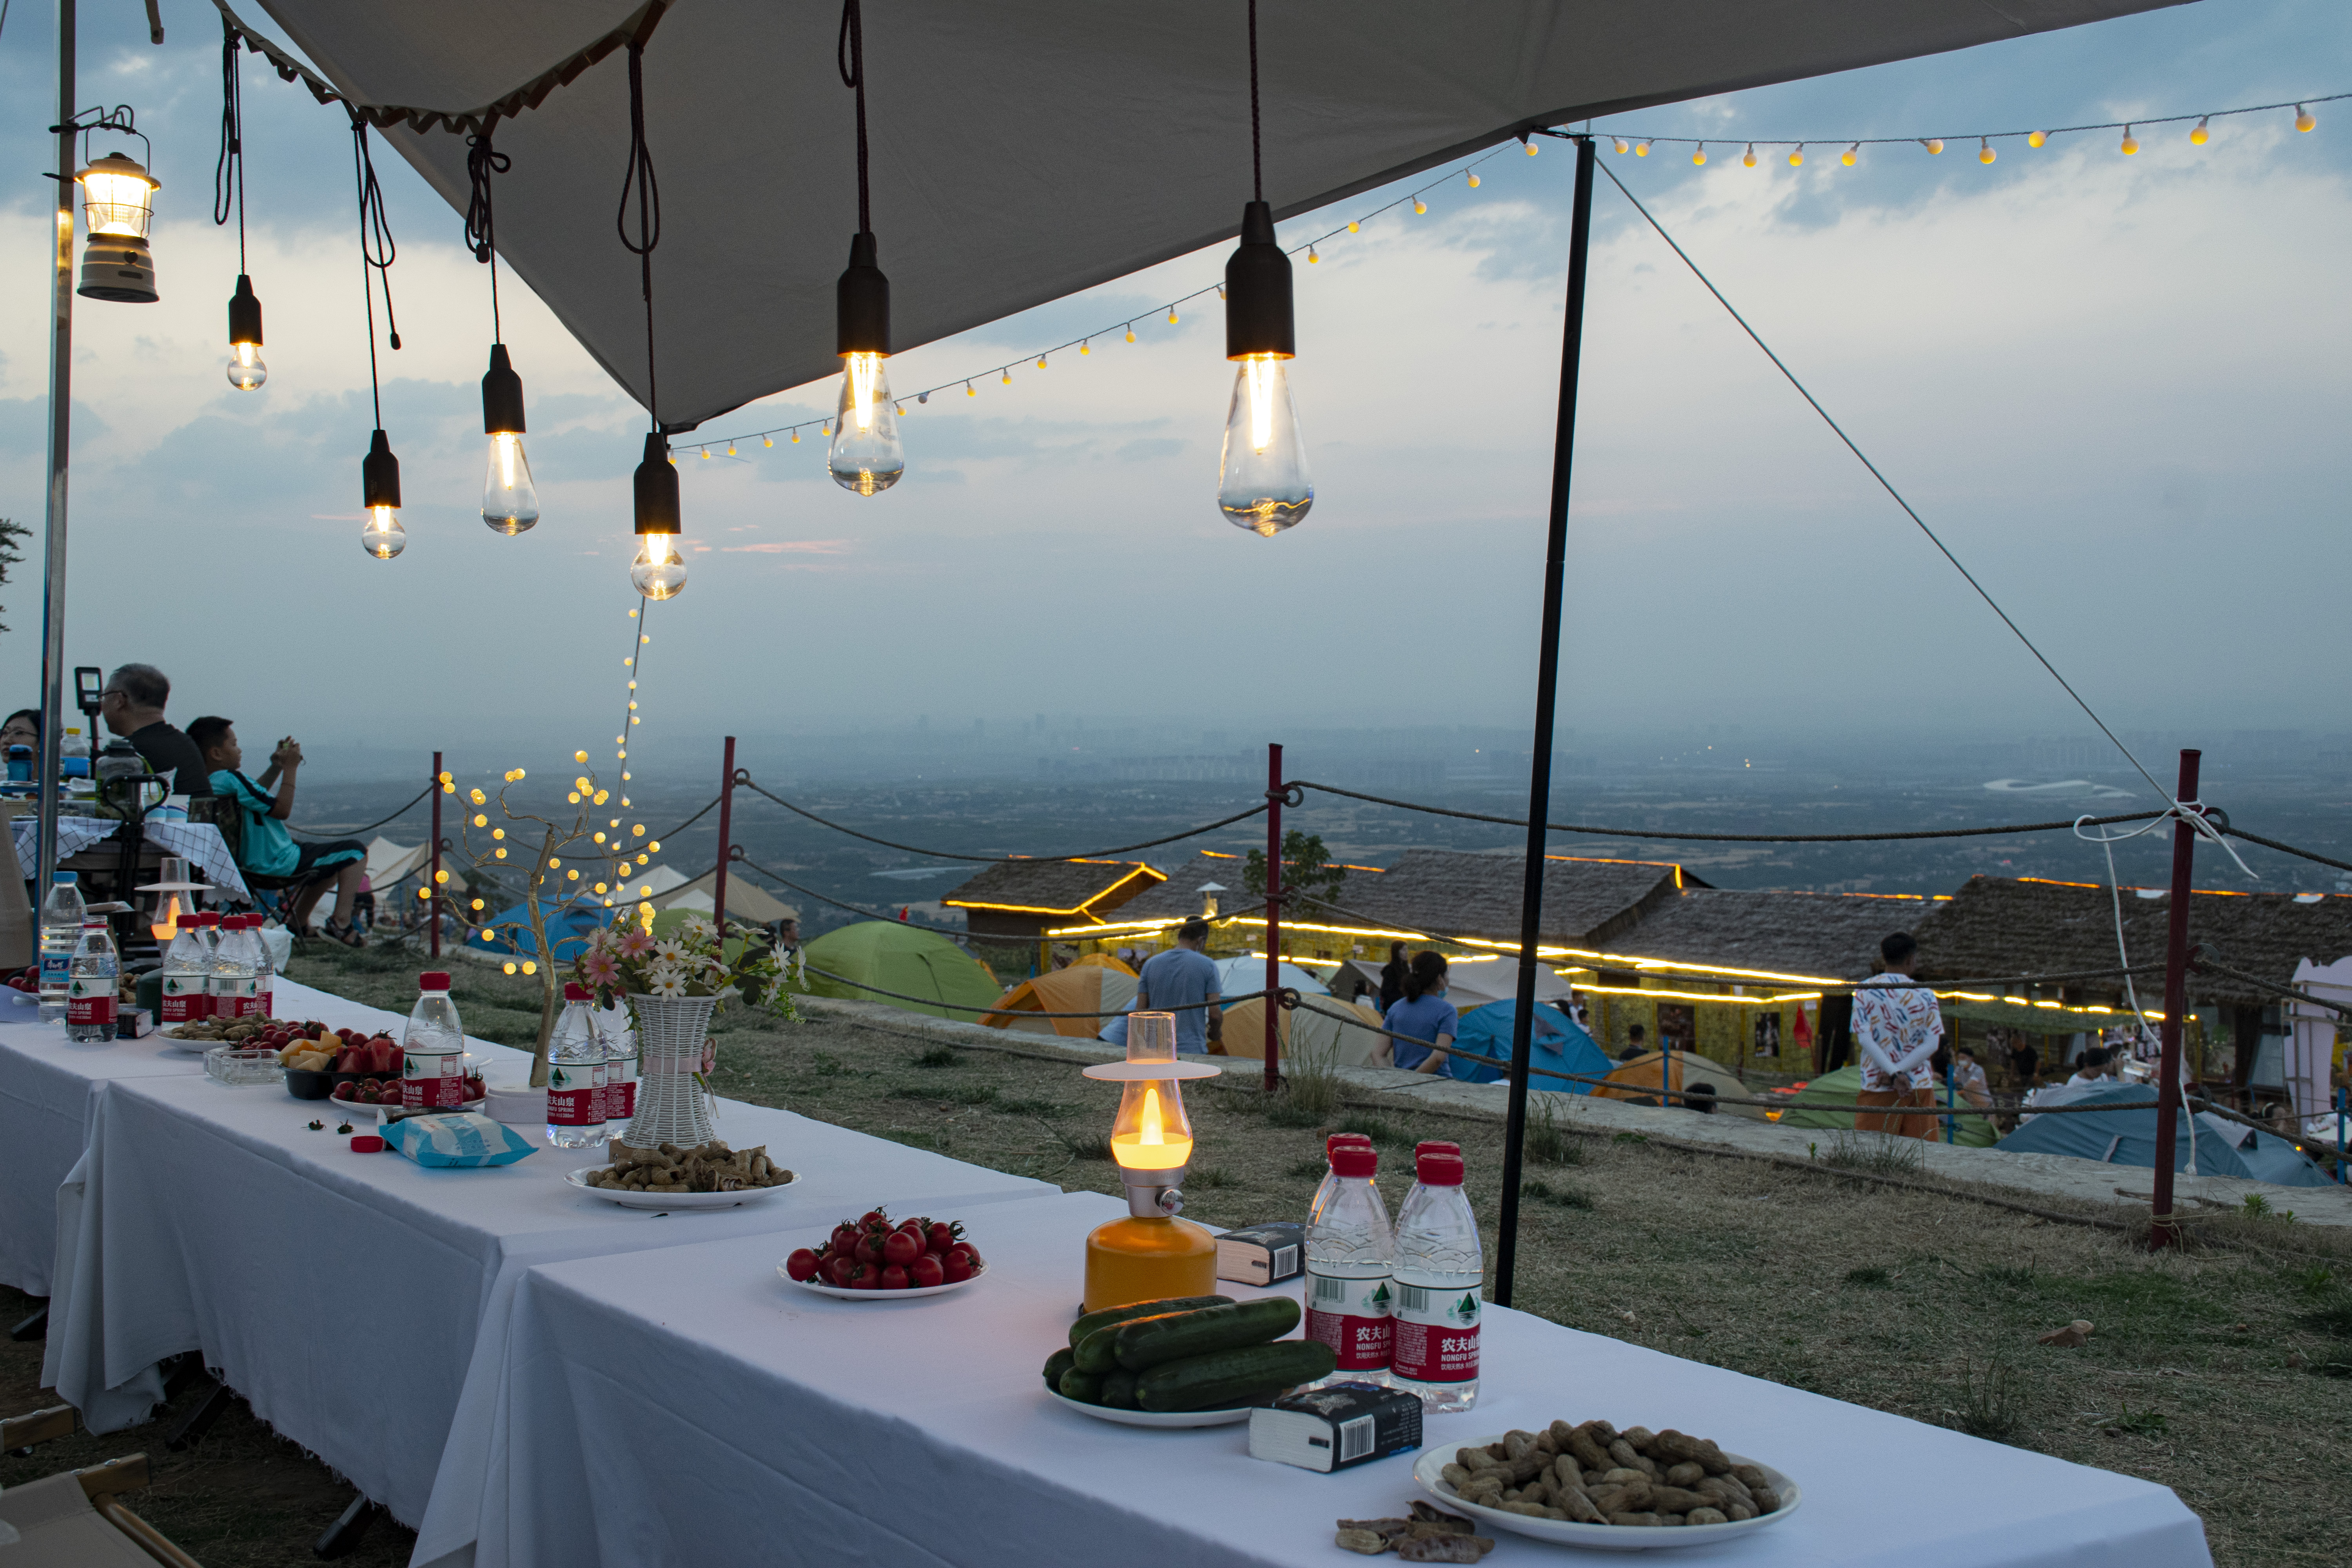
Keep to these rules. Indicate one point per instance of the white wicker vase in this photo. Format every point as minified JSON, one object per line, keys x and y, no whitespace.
{"x":673,"y":1105}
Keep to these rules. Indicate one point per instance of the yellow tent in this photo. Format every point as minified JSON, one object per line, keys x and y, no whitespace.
{"x":1638,"y":1079}
{"x":1103,"y":961}
{"x":1083,"y":987}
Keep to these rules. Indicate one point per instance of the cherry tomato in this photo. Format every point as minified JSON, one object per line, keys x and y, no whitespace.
{"x":868,"y":1277}
{"x":840,"y":1268}
{"x":844,"y":1238}
{"x":926,"y":1270}
{"x":802,"y":1264}
{"x":942,"y":1236}
{"x":916,"y":1226}
{"x":901,"y":1248}
{"x":894,"y":1277}
{"x":869,"y":1248}
{"x":965,"y":1251}
{"x":956,"y":1268}
{"x":872,"y":1218}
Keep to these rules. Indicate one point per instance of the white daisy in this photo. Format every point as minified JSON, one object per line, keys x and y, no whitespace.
{"x":666,"y":981}
{"x":668,"y":950}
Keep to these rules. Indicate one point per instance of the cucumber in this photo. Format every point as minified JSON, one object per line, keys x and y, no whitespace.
{"x":1056,"y":1365}
{"x":1173,"y":1336}
{"x":1090,"y":1321}
{"x":1119,"y":1389}
{"x":1225,"y":1379}
{"x":1083,"y":1386}
{"x":1096,"y":1353}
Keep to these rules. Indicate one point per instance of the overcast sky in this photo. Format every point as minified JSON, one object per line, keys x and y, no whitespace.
{"x":2117,"y":385}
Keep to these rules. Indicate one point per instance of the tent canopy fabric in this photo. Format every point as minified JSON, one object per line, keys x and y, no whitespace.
{"x":570,"y":924}
{"x":1080,"y":989}
{"x":2224,"y":1148}
{"x":1021,"y":150}
{"x":747,"y":901}
{"x":1840,"y":1087}
{"x":1638,"y":1079}
{"x":1557,"y":1045}
{"x":1304,"y":1034}
{"x":906,"y":959}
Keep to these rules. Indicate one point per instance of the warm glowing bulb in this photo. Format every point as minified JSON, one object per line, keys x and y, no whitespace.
{"x":770,"y":441}
{"x":865,"y":457}
{"x":1262,"y":479}
{"x":2305,"y":120}
{"x":381,"y":535}
{"x":1474,"y":179}
{"x":1171,"y":315}
{"x":1985,"y":153}
{"x":509,"y":500}
{"x":1698,"y":155}
{"x":1419,"y":205}
{"x":509,"y":969}
{"x":1797,"y":158}
{"x":2036,"y":138}
{"x":2198,"y":137}
{"x":1311,"y":257}
{"x":1934,"y":144}
{"x":730,"y":449}
{"x":1619,"y":142}
{"x":1532,"y":147}
{"x":246,"y":370}
{"x":1850,"y":154}
{"x":2130,"y":142}
{"x":1088,"y":347}
{"x":1353,"y":225}
{"x":658,"y":572}
{"x":1748,"y":158}
{"x":1641,"y":149}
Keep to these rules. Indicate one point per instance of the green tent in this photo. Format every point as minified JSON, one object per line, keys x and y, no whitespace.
{"x":906,"y":959}
{"x":1842,"y":1088}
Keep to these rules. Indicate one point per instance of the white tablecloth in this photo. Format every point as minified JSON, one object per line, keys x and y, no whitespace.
{"x":707,"y":1411}
{"x":198,"y":841}
{"x":358,"y":1301}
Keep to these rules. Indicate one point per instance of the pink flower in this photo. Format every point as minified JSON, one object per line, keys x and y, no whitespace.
{"x":599,"y":970}
{"x":637,"y":944}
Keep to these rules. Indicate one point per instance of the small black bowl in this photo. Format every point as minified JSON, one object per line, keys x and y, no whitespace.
{"x":320,"y":1084}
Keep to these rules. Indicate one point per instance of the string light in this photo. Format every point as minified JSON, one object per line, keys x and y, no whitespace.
{"x":1419,"y":205}
{"x":2305,"y":120}
{"x":1619,"y":141}
{"x":1041,"y":362}
{"x":1088,"y":347}
{"x":1008,"y":376}
{"x":2198,"y":137}
{"x":730,"y":449}
{"x":1853,"y":151}
{"x":1473,"y":177}
{"x":2130,"y":142}
{"x":1797,"y":156}
{"x":1130,"y":332}
{"x":1171,"y":315}
{"x":1749,"y":160}
{"x":1934,"y":144}
{"x":1353,"y":225}
{"x":2036,"y":138}
{"x":770,"y":441}
{"x":1698,"y":155}
{"x":1531,"y":144}
{"x":1641,"y":149}
{"x":1985,"y":153}
{"x":1311,"y":256}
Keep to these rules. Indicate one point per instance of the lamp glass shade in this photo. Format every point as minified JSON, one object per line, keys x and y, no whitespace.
{"x":117,"y":195}
{"x":509,"y":500}
{"x":865,"y":457}
{"x":659,"y":571}
{"x":1262,"y":479}
{"x":382,"y":534}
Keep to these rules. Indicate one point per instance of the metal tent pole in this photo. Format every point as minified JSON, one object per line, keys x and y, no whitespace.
{"x":2175,"y":996}
{"x":726,"y":818}
{"x":1515,"y":1127}
{"x":53,"y":546}
{"x":432,"y":886}
{"x":1273,"y":913}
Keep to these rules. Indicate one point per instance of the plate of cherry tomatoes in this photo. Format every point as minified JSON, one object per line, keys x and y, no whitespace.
{"x":874,"y":1255}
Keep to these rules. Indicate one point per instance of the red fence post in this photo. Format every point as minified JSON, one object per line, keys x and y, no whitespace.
{"x":726,"y":820}
{"x":2162,"y":1233}
{"x":1273,"y":913}
{"x":433,"y":885}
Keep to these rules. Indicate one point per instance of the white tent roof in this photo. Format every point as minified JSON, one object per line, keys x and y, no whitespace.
{"x":1021,"y":149}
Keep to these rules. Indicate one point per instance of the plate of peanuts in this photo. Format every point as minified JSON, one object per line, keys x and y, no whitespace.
{"x":1591,"y":1484}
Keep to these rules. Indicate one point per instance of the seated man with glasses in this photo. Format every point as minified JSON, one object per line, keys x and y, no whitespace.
{"x":133,"y":706}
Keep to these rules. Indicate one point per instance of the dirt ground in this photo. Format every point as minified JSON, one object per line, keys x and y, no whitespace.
{"x":2224,"y":1372}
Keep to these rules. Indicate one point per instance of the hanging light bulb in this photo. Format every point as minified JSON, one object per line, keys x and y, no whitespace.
{"x":509,"y":500}
{"x":1311,"y":256}
{"x":658,"y":572}
{"x":1985,"y":153}
{"x":2198,"y":137}
{"x":1619,"y":142}
{"x":246,"y":370}
{"x":1130,"y":332}
{"x":865,"y":457}
{"x":1171,"y":313}
{"x":2130,"y":142}
{"x":1797,"y":156}
{"x":1749,"y":158}
{"x":1419,"y":205}
{"x":117,"y":202}
{"x":767,"y":440}
{"x":382,"y":534}
{"x":2305,"y":120}
{"x":1473,"y":178}
{"x":1530,"y":144}
{"x":1262,"y":479}
{"x":1934,"y":144}
{"x":2036,"y":138}
{"x":1353,"y":225}
{"x":1641,"y":149}
{"x":1698,"y":155}
{"x":1853,"y":151}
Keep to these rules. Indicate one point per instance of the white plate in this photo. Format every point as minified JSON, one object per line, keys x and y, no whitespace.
{"x":908,"y":1294}
{"x":665,"y":1202}
{"x":1599,"y":1537}
{"x":1154,"y":1417}
{"x":362,"y":1110}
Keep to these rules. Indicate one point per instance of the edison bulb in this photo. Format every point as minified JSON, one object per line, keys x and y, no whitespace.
{"x":382,"y":535}
{"x":246,"y":370}
{"x":658,"y":572}
{"x":509,"y":500}
{"x":1262,"y":481}
{"x":865,"y":457}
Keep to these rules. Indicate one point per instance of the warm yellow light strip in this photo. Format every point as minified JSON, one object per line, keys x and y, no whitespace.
{"x":1697,"y":995}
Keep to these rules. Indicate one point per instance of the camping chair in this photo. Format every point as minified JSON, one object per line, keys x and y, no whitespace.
{"x":73,"y":1519}
{"x":276,"y":894}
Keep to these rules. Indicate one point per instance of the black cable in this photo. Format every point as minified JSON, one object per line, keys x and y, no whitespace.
{"x":482,"y":161}
{"x":849,"y":55}
{"x":871,"y":914}
{"x":640,"y":180}
{"x":1257,"y":171}
{"x":228,"y":172}
{"x":743,"y":777}
{"x":379,"y":257}
{"x":2285,"y":848}
{"x":342,"y":832}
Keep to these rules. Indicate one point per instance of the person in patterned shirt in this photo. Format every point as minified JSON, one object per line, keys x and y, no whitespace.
{"x":1896,"y":1028}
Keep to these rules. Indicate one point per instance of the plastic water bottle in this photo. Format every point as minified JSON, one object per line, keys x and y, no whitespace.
{"x":93,"y":990}
{"x":1330,"y":1177}
{"x":73,"y":755}
{"x":233,"y":982}
{"x":187,"y":974}
{"x":1440,"y":1266}
{"x":620,"y":1071}
{"x":575,"y":1075}
{"x":62,"y":913}
{"x":432,"y":1050}
{"x":265,"y":970}
{"x":1350,"y":1251}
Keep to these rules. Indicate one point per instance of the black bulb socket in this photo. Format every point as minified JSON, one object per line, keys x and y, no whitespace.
{"x":1258,"y":317}
{"x":501,"y":396}
{"x":380,"y":474}
{"x":863,"y":300}
{"x":243,"y":314}
{"x":656,"y":489}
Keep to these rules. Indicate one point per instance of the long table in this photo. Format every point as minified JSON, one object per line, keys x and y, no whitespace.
{"x":359,"y":1302}
{"x":709,"y":1412}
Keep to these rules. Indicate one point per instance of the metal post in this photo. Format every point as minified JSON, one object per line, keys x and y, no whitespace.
{"x":53,"y":545}
{"x":1515,"y":1127}
{"x":1273,"y":912}
{"x":2176,"y":991}
{"x":432,"y":886}
{"x":726,"y":818}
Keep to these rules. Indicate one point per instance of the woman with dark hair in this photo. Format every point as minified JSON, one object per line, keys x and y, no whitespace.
{"x":1423,"y":1012}
{"x":22,"y":728}
{"x":1393,"y":976}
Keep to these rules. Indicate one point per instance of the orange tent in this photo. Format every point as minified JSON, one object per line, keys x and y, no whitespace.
{"x":1101,"y":959}
{"x":1638,"y":1079}
{"x":1083,"y":987}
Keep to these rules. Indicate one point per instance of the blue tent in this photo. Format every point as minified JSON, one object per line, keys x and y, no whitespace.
{"x":1559,"y":1045}
{"x":2224,"y":1148}
{"x":569,"y":923}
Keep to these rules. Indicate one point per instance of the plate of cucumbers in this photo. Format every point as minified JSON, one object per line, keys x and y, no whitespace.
{"x":1189,"y":1360}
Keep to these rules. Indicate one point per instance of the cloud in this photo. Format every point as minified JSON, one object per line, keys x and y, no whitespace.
{"x":792,"y":547}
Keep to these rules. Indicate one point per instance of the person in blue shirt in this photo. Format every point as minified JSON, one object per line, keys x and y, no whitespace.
{"x":268,"y":849}
{"x":1183,"y":977}
{"x":1423,"y":1013}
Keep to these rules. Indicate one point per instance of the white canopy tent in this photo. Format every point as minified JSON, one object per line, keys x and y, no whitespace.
{"x":1022,"y":149}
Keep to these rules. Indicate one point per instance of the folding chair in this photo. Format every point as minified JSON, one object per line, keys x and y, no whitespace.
{"x":74,"y":1518}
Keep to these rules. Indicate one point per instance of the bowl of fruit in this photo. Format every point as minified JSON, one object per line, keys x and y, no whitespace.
{"x":319,"y":1060}
{"x":871,"y":1255}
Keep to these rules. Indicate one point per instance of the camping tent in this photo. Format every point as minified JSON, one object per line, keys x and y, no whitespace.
{"x":909,"y":960}
{"x":1304,"y":1033}
{"x":1469,"y":982}
{"x":1558,"y":1045}
{"x":570,"y":923}
{"x":1244,"y":974}
{"x":1840,"y":1086}
{"x":1638,"y":1079}
{"x":1080,"y":989}
{"x":746,"y":903}
{"x":2224,"y":1148}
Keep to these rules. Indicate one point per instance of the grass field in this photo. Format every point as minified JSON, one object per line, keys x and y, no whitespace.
{"x":2224,"y":1372}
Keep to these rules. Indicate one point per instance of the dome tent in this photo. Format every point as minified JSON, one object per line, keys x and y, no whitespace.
{"x":1559,"y":1045}
{"x":2224,"y":1148}
{"x":1081,"y":988}
{"x":909,"y":960}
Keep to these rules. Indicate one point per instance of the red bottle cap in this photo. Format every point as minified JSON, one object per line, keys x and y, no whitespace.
{"x":1438,"y":1169}
{"x":575,"y":992}
{"x":367,"y":1143}
{"x":1354,"y":1160}
{"x":433,"y":979}
{"x":1338,"y":1140}
{"x":1435,"y":1147}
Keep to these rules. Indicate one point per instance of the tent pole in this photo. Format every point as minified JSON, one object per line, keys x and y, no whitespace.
{"x":2163,"y":1232}
{"x":726,"y":842}
{"x":1515,"y":1127}
{"x":433,"y":883}
{"x":53,"y":545}
{"x":1273,"y":912}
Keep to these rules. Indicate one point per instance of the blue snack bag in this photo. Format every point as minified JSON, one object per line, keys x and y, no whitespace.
{"x":463,"y":1137}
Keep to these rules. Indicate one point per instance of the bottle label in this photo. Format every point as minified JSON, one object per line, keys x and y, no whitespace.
{"x":1436,"y":1334}
{"x":264,"y":1003}
{"x":575,"y":1094}
{"x":431,"y":1080}
{"x":186,"y":999}
{"x":90,"y":999}
{"x":234,"y":996}
{"x":1351,"y":1316}
{"x":57,"y":968}
{"x":620,"y":1087}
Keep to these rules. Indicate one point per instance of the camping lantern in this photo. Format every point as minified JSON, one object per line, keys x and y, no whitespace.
{"x":1209,"y":892}
{"x":117,"y":192}
{"x":659,"y":571}
{"x":1150,"y":1254}
{"x":381,"y":535}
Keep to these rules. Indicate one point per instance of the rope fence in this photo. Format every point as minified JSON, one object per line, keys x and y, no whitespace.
{"x":378,"y":822}
{"x":743,"y":778}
